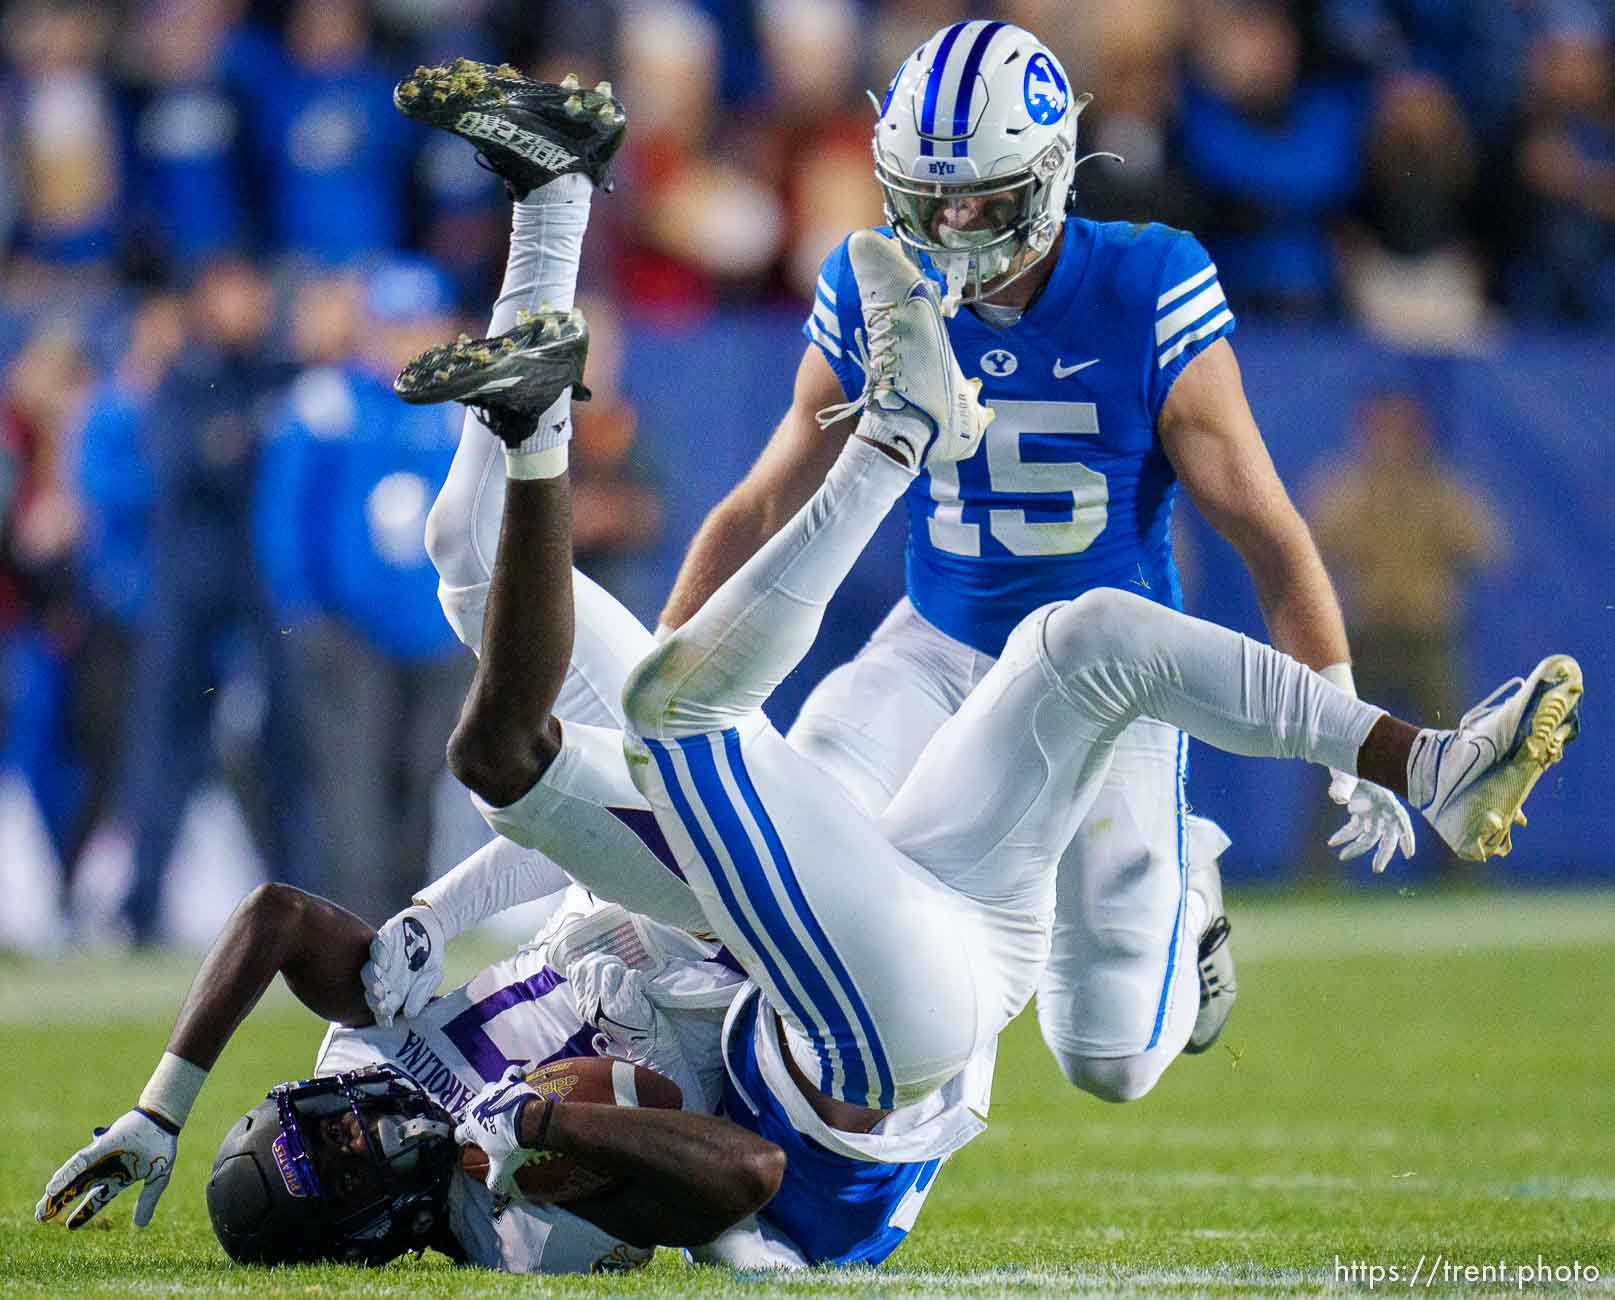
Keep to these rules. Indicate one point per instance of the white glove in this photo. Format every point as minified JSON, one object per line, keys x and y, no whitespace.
{"x":405,"y":966}
{"x":612,"y":997}
{"x":135,"y":1149}
{"x":1377,"y":820}
{"x":491,"y":1122}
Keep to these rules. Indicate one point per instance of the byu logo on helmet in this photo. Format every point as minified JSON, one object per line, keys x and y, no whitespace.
{"x":1000,"y":363}
{"x":1046,"y":93}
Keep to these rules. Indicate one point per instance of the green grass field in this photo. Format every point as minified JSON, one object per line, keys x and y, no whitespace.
{"x":1406,"y":1076}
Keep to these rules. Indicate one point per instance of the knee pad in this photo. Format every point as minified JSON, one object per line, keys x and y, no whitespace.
{"x":1113,"y":1078}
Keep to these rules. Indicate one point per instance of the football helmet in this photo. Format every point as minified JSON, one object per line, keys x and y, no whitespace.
{"x":353,"y":1167}
{"x":975,"y":150}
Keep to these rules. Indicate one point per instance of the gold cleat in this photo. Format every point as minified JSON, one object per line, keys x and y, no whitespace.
{"x":1499,"y":752}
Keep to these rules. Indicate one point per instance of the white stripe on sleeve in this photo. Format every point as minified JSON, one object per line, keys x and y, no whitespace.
{"x":1182,"y":287}
{"x":1210,"y":327}
{"x":827,"y":291}
{"x":817,"y":334}
{"x":1182,"y":317}
{"x":827,"y":319}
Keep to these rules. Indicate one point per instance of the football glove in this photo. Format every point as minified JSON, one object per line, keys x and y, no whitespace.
{"x":492,"y":1122}
{"x":135,"y":1149}
{"x":405,"y":966}
{"x":613,"y":998}
{"x":1376,"y":820}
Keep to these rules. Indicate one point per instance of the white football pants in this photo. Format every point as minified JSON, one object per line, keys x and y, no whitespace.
{"x":895,"y":948}
{"x":1118,"y":997}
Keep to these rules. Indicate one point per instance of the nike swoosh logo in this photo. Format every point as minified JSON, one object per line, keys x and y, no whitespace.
{"x":1064,"y":372}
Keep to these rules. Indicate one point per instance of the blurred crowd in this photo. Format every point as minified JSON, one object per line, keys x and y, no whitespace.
{"x":217,"y":238}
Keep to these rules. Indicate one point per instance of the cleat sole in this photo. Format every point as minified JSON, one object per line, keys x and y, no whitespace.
{"x":468,"y":368}
{"x":1551,"y":722}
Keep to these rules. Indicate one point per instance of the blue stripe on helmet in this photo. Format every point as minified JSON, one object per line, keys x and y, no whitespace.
{"x":933,"y":85}
{"x":967,"y":84}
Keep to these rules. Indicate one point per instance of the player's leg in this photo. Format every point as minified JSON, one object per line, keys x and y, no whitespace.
{"x":512,"y":121}
{"x":860,"y":950}
{"x":867,"y":721}
{"x":1002,"y":788}
{"x":879,"y":1000}
{"x":1117,"y":1000}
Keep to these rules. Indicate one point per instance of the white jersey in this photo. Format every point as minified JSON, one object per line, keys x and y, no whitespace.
{"x":521,"y":1012}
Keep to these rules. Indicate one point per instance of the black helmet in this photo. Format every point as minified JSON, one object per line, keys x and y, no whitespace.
{"x":352,"y":1167}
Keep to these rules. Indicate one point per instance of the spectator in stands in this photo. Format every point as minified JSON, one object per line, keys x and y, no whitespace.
{"x":187,"y":62}
{"x":1274,"y":153}
{"x":116,"y":485}
{"x":39,"y":619}
{"x":346,"y":482}
{"x":1564,"y":239}
{"x":334,"y":155}
{"x":1403,"y":536}
{"x":1413,"y":275}
{"x":65,"y":132}
{"x":206,"y":610}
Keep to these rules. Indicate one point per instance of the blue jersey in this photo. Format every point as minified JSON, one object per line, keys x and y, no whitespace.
{"x":834,"y":1208}
{"x":1070,"y":488}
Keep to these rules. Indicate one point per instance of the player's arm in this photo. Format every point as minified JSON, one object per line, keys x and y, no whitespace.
{"x":1211,"y":438}
{"x":681,"y":1178}
{"x":277,"y":930}
{"x":786,"y":474}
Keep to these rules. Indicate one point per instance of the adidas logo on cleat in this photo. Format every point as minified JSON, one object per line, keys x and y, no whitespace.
{"x":533,"y":147}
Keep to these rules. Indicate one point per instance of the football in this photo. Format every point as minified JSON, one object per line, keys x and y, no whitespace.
{"x":553,"y":1177}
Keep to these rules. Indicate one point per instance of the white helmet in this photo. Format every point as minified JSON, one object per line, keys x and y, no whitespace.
{"x":975,"y":151}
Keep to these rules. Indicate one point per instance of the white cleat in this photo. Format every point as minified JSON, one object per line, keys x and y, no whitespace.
{"x":1471,"y":783}
{"x":1216,"y":958}
{"x":916,"y":401}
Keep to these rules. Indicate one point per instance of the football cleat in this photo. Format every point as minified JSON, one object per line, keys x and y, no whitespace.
{"x":916,"y":400}
{"x":511,"y":380}
{"x":1471,"y":783}
{"x":528,"y":132}
{"x":1216,"y":958}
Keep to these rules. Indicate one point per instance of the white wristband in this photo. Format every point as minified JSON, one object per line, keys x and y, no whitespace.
{"x":1340,"y":675}
{"x":172,"y":1088}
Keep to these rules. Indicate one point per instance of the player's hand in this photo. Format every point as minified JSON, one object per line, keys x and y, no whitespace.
{"x":1376,"y":820}
{"x":136,"y":1149}
{"x":613,"y":998}
{"x":493,"y":1122}
{"x":405,"y":966}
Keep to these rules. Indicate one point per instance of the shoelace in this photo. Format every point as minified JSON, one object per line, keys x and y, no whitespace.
{"x":877,"y":355}
{"x":1476,"y":712}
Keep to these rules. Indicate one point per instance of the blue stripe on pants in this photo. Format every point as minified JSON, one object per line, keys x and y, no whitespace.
{"x":776,"y":924}
{"x":798,"y":900}
{"x":1183,"y":889}
{"x":681,"y":805}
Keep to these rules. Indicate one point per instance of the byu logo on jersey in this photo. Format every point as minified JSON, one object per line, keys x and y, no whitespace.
{"x":1000,"y":363}
{"x":1046,"y":94}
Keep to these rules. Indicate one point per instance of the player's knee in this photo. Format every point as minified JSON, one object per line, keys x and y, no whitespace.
{"x":651,"y":689}
{"x":1111,"y":1078}
{"x":450,"y":543}
{"x":1098,"y":628}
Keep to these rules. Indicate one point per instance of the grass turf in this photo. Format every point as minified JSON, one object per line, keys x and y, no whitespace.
{"x":1405,"y":1077}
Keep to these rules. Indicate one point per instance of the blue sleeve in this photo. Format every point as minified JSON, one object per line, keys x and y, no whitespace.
{"x":1190,"y":313}
{"x":836,"y":318}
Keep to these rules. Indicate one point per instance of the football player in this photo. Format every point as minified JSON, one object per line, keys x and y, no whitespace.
{"x":1103,"y":350}
{"x":848,"y":1195}
{"x":887,"y":955}
{"x":359,"y":1163}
